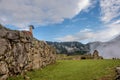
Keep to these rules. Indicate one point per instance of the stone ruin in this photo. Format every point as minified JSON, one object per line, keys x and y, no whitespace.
{"x":20,"y":52}
{"x":96,"y":55}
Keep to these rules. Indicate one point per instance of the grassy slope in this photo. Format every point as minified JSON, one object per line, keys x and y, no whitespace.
{"x":74,"y":70}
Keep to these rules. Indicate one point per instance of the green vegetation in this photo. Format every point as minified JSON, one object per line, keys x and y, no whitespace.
{"x":80,"y":52}
{"x":75,"y":70}
{"x":66,"y":57}
{"x":74,"y":57}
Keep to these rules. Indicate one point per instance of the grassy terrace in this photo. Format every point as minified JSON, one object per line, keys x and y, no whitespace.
{"x":75,"y":70}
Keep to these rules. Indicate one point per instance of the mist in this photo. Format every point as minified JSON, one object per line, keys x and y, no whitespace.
{"x":108,"y":50}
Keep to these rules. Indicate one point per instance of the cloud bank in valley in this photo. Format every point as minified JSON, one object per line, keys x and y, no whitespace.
{"x":107,"y":49}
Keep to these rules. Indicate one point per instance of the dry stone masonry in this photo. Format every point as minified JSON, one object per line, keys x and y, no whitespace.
{"x":20,"y":52}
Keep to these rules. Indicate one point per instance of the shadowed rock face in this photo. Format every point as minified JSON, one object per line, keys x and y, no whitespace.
{"x":20,"y":52}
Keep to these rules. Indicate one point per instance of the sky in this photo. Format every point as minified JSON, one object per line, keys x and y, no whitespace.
{"x":64,"y":20}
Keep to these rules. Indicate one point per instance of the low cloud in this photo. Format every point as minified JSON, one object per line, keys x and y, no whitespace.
{"x":42,"y":12}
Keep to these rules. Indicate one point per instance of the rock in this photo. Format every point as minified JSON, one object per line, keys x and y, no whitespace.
{"x":3,"y":68}
{"x":117,"y":77}
{"x":26,"y":77}
{"x":4,"y":77}
{"x":20,"y":51}
{"x":3,"y":31}
{"x":12,"y":35}
{"x":118,"y":70}
{"x":118,"y":73}
{"x":96,"y":55}
{"x":3,"y":46}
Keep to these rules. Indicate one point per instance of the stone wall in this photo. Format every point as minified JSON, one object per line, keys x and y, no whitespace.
{"x":117,"y":73}
{"x":20,"y":52}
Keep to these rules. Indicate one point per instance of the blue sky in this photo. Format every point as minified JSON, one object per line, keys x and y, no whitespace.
{"x":64,"y":20}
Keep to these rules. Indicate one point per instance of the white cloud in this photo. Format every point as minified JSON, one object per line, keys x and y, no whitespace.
{"x":110,"y":9}
{"x":108,"y":33}
{"x":79,"y":36}
{"x":116,"y":22}
{"x":24,"y":12}
{"x":67,"y":38}
{"x":83,"y":4}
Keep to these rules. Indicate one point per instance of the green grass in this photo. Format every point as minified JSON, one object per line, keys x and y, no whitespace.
{"x":74,"y":70}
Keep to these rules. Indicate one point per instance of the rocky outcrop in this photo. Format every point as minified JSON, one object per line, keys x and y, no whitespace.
{"x":20,"y":52}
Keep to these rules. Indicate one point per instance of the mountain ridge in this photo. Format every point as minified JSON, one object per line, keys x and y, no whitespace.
{"x":108,"y":49}
{"x":69,"y":47}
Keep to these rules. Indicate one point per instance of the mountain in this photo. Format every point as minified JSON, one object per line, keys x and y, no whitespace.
{"x":70,"y":47}
{"x":109,"y":49}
